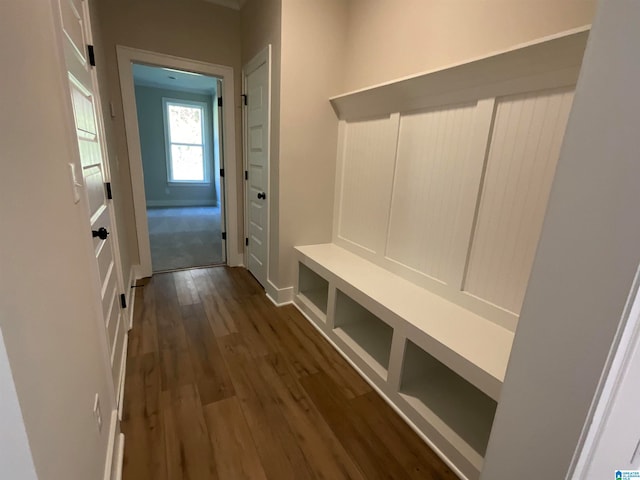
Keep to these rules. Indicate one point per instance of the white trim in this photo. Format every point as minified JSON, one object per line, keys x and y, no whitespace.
{"x":127,"y":56}
{"x":611,"y":382}
{"x":263,"y":56}
{"x":279,"y":296}
{"x":112,"y":449}
{"x":181,"y":203}
{"x":123,"y":370}
{"x":384,"y":396}
{"x":120,"y":458}
{"x":137,"y":273}
{"x":130,"y":295}
{"x":561,"y":36}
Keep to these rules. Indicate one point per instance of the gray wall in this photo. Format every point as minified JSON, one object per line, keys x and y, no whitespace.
{"x":153,"y":146}
{"x":585,"y":265}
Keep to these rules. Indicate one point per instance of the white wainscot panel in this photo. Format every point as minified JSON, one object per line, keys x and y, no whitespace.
{"x":367,"y":159}
{"x":525,"y":145}
{"x":435,"y":190}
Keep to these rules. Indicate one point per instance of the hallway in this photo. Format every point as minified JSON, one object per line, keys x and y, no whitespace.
{"x":222,"y":384}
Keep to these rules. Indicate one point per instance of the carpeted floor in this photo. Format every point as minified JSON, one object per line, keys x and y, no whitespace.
{"x":183,"y":237}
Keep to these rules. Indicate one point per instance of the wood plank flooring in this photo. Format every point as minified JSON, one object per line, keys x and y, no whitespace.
{"x":221,"y":384}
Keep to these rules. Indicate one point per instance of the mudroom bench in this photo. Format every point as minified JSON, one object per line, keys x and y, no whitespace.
{"x":439,"y":365}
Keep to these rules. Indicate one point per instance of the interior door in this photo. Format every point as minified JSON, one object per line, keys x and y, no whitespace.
{"x":76,"y":34}
{"x":257,"y":97}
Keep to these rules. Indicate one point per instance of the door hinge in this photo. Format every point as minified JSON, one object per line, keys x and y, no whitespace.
{"x":245,"y":99}
{"x":92,"y":55}
{"x":222,"y":172}
{"x":123,"y":300}
{"x":107,"y":186}
{"x":224,"y":235}
{"x":219,"y":101}
{"x":246,"y":241}
{"x":246,"y":174}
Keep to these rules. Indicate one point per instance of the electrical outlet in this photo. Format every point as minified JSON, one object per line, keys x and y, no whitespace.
{"x":97,"y":413}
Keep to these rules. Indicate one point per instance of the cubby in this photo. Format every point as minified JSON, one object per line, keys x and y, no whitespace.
{"x":367,"y":335}
{"x":313,"y":290}
{"x":439,"y":364}
{"x":434,"y":390}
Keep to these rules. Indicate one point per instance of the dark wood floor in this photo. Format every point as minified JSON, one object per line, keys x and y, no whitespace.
{"x":222,"y":384}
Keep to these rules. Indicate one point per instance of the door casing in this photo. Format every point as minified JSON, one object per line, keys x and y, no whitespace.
{"x":263,"y":56}
{"x":126,"y":57}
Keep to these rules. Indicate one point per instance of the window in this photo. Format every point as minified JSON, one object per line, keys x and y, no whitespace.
{"x":186,"y":141}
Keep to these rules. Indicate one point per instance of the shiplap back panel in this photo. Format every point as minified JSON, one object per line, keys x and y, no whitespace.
{"x":453,"y":198}
{"x":368,"y":151}
{"x":430,"y":191}
{"x":524,"y":149}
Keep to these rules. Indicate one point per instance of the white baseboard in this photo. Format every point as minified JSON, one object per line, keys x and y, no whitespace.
{"x":181,"y":203}
{"x":117,"y":475}
{"x":386,"y":398}
{"x":123,"y":370}
{"x":279,"y":296}
{"x":235,"y":259}
{"x":138,"y":274}
{"x":115,"y":450}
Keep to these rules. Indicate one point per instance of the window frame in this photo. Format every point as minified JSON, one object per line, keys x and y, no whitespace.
{"x":204,"y":107}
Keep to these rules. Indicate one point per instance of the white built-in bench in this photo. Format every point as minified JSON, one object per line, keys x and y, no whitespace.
{"x":441,"y":185}
{"x":440,"y":365}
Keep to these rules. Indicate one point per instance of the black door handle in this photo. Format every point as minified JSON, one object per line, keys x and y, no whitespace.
{"x":101,"y":233}
{"x":262,"y":195}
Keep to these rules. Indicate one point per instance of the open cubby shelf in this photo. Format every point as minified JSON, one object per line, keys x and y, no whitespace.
{"x":366,"y":334}
{"x":432,"y":388}
{"x":313,"y":290}
{"x":442,"y":366}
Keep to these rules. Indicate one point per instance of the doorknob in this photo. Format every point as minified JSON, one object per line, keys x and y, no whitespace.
{"x":100,"y":233}
{"x":262,"y":195}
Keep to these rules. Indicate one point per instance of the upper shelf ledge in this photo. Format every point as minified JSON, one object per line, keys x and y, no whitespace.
{"x":548,"y":62}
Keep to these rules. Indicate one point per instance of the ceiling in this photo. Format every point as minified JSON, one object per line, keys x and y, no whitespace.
{"x":159,"y":77}
{"x":235,"y":4}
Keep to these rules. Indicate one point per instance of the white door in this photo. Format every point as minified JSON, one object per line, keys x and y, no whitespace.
{"x":613,"y":439}
{"x":76,"y":35}
{"x":256,"y":140}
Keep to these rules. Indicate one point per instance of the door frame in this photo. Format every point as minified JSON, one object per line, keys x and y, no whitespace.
{"x":126,"y":57}
{"x":623,"y":357}
{"x":264,"y":56}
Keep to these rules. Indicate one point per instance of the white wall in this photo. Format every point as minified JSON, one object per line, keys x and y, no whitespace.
{"x":585,"y":264}
{"x":313,"y":37}
{"x":388,"y":39}
{"x":47,"y":316}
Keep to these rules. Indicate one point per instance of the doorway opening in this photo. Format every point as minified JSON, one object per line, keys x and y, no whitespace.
{"x":184,"y":161}
{"x":179,"y":127}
